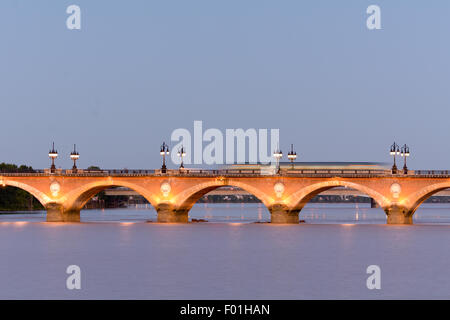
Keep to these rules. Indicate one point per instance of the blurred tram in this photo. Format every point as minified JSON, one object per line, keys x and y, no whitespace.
{"x":307,"y":166}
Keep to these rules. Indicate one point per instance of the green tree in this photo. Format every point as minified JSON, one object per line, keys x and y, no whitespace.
{"x":94,"y":168}
{"x":14,"y":199}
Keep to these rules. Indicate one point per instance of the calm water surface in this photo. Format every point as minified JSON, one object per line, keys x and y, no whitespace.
{"x":123,"y":256}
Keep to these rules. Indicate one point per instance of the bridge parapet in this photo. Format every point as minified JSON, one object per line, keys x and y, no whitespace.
{"x":432,"y":173}
{"x":231,"y":172}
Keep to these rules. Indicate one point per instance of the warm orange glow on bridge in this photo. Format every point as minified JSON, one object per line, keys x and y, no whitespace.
{"x":173,"y":194}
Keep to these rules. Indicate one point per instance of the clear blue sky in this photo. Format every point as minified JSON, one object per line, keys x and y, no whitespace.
{"x":139,"y":69}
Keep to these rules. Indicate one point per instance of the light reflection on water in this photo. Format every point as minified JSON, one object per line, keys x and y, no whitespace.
{"x":121,"y":256}
{"x":251,"y":212}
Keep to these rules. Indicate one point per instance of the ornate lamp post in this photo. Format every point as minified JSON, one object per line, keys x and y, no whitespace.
{"x":53,"y":154}
{"x":405,"y":153}
{"x":278,"y":154}
{"x":163,"y":152}
{"x":395,"y":150}
{"x":181,"y":153}
{"x":292,"y":155}
{"x":74,"y":155}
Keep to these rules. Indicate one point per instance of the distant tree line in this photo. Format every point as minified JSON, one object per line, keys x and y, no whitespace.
{"x":14,"y":199}
{"x":12,"y":168}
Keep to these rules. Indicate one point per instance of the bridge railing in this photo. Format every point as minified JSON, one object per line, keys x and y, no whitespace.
{"x":431,"y":172}
{"x":81,"y":172}
{"x":128,"y":171}
{"x":197,"y":172}
{"x":227,"y":172}
{"x":337,"y":171}
{"x":258,"y":172}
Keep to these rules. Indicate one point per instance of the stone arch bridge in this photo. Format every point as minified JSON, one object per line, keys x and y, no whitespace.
{"x":173,"y":194}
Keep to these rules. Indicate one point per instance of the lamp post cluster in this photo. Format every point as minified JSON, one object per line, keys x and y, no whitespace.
{"x":181,"y":153}
{"x":278,"y":154}
{"x":53,"y":154}
{"x":292,"y":155}
{"x":403,"y":152}
{"x":164,"y":151}
{"x":74,"y":155}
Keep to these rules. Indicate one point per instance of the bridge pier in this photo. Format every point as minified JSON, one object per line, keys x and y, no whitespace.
{"x":398,"y":215}
{"x":57,"y":213}
{"x":168,"y":214}
{"x":281,"y":214}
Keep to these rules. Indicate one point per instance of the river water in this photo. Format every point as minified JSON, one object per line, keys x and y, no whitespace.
{"x":124,"y":254}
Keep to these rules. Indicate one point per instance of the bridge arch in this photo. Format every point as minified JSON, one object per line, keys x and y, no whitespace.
{"x":187,"y":199}
{"x":77,"y":198}
{"x":300,"y":198}
{"x":415,"y":200}
{"x":39,"y":195}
